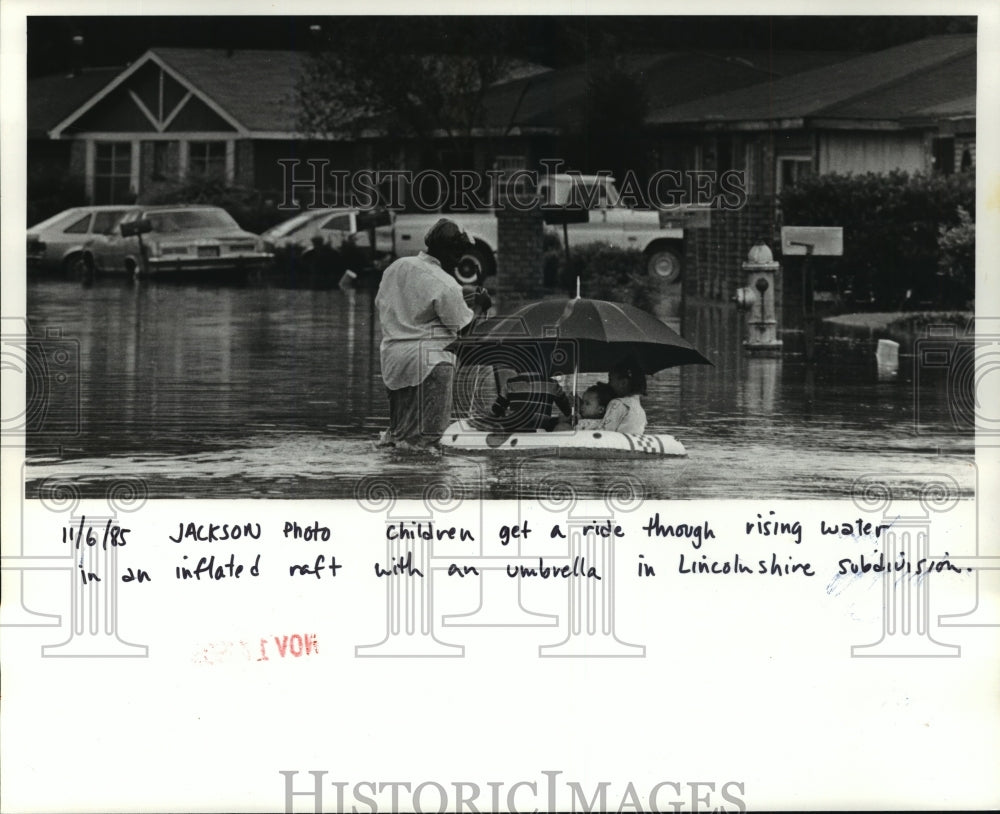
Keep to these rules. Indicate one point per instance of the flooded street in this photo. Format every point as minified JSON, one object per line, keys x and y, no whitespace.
{"x":257,"y":391}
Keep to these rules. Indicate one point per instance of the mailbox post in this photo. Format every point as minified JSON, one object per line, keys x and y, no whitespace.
{"x":811,"y":241}
{"x":565,"y":215}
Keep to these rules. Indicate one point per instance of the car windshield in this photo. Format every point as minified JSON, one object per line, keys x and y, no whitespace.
{"x":297,"y":224}
{"x":182,"y":220}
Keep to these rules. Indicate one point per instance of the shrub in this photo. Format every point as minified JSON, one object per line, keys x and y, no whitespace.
{"x":957,"y":260}
{"x":607,"y":273}
{"x":891,"y":225}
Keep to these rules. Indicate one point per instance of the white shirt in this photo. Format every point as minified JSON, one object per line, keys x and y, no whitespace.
{"x":421,"y":309}
{"x":625,"y":414}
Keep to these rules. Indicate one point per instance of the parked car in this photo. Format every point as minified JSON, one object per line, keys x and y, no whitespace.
{"x":178,"y":239}
{"x":333,"y":228}
{"x":56,"y":244}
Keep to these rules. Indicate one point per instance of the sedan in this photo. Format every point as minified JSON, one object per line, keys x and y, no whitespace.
{"x":175,"y":240}
{"x":57,"y":244}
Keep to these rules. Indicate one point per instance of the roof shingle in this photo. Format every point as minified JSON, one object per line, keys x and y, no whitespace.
{"x":894,"y":77}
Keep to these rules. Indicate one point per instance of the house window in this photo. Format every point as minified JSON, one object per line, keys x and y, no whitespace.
{"x":160,"y":160}
{"x":944,"y":155}
{"x":752,"y":163}
{"x":112,"y":172}
{"x":723,"y":154}
{"x":509,"y":163}
{"x":792,"y":169}
{"x":207,"y":159}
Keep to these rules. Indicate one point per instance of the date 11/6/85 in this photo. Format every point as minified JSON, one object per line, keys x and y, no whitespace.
{"x":83,"y":534}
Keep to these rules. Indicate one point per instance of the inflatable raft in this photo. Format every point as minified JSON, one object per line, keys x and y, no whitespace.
{"x":461,"y":437}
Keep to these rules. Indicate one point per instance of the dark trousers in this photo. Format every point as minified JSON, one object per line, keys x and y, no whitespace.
{"x":420,"y":414}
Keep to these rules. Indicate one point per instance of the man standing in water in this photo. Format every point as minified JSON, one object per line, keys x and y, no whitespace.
{"x":422,"y":308}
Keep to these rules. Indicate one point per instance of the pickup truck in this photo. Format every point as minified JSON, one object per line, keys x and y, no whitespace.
{"x":603,"y":219}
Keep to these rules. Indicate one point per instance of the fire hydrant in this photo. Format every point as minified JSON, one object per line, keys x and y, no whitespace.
{"x":757,"y":298}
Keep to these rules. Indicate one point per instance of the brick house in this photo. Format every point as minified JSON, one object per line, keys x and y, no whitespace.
{"x":911,"y":107}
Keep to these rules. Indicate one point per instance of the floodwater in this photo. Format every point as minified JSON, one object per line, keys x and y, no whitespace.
{"x":263,"y":391}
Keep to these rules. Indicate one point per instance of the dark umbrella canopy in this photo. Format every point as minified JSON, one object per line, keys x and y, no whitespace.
{"x":563,"y":335}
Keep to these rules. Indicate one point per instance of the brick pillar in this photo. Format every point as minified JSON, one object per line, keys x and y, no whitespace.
{"x":520,"y":250}
{"x":713,"y":256}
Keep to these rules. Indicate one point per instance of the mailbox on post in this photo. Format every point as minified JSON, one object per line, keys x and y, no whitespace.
{"x":811,"y":241}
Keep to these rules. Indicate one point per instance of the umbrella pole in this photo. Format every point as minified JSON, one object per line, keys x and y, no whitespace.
{"x":576,"y":371}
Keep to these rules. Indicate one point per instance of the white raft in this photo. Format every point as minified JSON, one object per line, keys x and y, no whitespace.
{"x":460,"y":437}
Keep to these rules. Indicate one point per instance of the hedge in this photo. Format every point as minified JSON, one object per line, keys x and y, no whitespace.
{"x":605,"y":273}
{"x":893,"y":225}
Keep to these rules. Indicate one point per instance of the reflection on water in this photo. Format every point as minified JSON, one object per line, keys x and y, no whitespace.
{"x":276,"y":392}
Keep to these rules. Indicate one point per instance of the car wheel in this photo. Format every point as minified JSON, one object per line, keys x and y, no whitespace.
{"x":665,"y":265}
{"x":474,"y":265}
{"x":76,"y":265}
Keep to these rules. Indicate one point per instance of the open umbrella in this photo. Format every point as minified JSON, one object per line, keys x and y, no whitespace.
{"x":575,"y":335}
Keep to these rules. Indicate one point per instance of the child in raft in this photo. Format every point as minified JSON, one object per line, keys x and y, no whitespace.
{"x":624,"y":413}
{"x":525,"y":402}
{"x":593,"y":405}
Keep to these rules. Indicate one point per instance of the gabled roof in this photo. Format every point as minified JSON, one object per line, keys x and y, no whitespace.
{"x":257,"y":88}
{"x":888,"y":84}
{"x":556,"y":100}
{"x":252,"y":90}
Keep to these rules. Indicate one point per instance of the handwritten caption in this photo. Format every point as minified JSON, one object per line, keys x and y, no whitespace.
{"x":683,"y":547}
